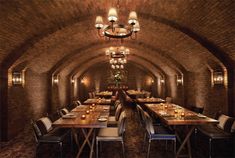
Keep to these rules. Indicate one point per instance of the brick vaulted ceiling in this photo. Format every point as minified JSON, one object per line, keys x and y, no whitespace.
{"x":176,"y":35}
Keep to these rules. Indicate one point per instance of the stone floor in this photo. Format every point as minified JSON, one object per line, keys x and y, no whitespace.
{"x":23,"y":146}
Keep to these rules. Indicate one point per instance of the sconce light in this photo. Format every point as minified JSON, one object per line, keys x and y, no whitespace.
{"x":218,"y":78}
{"x":56,"y":79}
{"x":83,"y":80}
{"x":72,"y":80}
{"x":17,"y":78}
{"x":162,"y":81}
{"x":179,"y":80}
{"x":152,"y":81}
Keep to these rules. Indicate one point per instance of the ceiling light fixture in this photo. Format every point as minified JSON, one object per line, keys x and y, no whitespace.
{"x":117,"y":57}
{"x":115,"y":30}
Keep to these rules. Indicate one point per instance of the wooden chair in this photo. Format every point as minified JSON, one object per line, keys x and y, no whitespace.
{"x":113,"y":134}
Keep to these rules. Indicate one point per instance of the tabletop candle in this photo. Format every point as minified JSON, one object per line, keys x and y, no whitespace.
{"x":83,"y":116}
{"x":88,"y":111}
{"x":182,"y":114}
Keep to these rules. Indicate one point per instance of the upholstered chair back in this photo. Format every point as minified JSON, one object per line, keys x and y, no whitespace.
{"x":168,"y":100}
{"x":149,"y":124}
{"x":122,"y":123}
{"x":118,"y":112}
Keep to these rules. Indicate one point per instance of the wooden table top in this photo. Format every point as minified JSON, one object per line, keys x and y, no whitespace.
{"x":150,"y":100}
{"x":173,"y":114}
{"x":84,"y":108}
{"x":91,"y":120}
{"x":98,"y":101}
{"x":105,"y":93}
{"x":134,"y":92}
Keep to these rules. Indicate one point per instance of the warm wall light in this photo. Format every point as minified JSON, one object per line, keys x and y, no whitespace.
{"x":17,"y":78}
{"x":85,"y":81}
{"x":56,"y":79}
{"x":72,"y":80}
{"x":162,"y":80}
{"x":179,"y":80}
{"x":218,"y":78}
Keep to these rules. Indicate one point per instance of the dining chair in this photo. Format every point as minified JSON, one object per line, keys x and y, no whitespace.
{"x":44,"y":133}
{"x":157,"y":133}
{"x":113,"y":120}
{"x":168,"y":100}
{"x":90,"y":95}
{"x":78,"y":102}
{"x":63,"y":111}
{"x":140,"y":113}
{"x":113,"y":134}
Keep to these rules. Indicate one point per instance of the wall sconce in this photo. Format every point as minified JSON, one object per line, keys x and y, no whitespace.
{"x":179,"y":80}
{"x":17,"y":78}
{"x":72,"y":80}
{"x":83,"y":81}
{"x":152,"y":81}
{"x":162,"y":81}
{"x":218,"y":78}
{"x":56,"y":79}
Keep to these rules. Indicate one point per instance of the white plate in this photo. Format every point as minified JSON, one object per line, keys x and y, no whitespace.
{"x":102,"y":119}
{"x":69,"y":116}
{"x":201,"y":116}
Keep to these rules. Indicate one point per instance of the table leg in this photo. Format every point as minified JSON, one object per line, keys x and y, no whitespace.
{"x":186,"y":140}
{"x":86,"y":140}
{"x":92,"y":144}
{"x":74,"y":131}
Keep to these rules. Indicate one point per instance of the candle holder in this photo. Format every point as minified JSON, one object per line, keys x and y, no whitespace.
{"x":83,"y":117}
{"x":88,"y":111}
{"x":182,"y":114}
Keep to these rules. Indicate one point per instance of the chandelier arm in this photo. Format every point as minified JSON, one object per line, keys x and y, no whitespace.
{"x":135,"y":36}
{"x":100,"y":34}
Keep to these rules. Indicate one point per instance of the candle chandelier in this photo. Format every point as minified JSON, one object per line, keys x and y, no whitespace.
{"x":116,"y":30}
{"x":117,"y":57}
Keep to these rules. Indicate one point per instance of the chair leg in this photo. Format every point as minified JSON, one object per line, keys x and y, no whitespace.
{"x":61,"y":148}
{"x":210,"y":147}
{"x":36,"y":150}
{"x":174,"y":148}
{"x":97,"y":147}
{"x":149,"y":145}
{"x":166,"y":145}
{"x":123,"y":150}
{"x":145,"y":136}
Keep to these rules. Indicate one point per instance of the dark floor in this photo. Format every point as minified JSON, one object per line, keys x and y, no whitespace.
{"x":23,"y":146}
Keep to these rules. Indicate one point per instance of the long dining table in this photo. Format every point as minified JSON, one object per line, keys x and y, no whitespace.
{"x":98,"y":101}
{"x":174,"y":116}
{"x":151,"y":100}
{"x":88,"y":118}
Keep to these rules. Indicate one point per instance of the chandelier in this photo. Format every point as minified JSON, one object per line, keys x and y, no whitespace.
{"x":117,"y":57}
{"x":115,"y":30}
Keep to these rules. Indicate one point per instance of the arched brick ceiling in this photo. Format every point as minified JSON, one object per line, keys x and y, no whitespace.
{"x":80,"y":69}
{"x":49,"y":30}
{"x":163,"y":64}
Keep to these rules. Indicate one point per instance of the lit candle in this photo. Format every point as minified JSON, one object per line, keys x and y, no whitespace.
{"x":182,"y":114}
{"x":176,"y":111}
{"x":88,"y":111}
{"x":83,"y":116}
